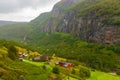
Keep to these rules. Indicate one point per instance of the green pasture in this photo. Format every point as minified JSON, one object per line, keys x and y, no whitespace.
{"x":97,"y":75}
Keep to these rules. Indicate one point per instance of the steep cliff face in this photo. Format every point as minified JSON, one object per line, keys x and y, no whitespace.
{"x":90,"y":29}
{"x":57,"y":15}
{"x":89,"y":20}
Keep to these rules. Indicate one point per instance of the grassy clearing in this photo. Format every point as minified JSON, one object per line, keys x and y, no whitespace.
{"x":97,"y":75}
{"x":39,"y":64}
{"x":48,"y":67}
{"x":32,"y":72}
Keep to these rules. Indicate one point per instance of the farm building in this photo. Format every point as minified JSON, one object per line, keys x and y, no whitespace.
{"x":20,"y":54}
{"x":23,"y":55}
{"x":64,"y":64}
{"x":42,"y":58}
{"x":37,"y":59}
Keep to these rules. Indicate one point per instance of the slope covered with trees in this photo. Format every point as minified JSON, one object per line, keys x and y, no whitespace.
{"x":16,"y":32}
{"x":90,"y":20}
{"x":4,"y":23}
{"x":101,"y":57}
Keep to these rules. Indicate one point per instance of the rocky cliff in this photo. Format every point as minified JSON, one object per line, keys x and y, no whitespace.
{"x":90,"y":20}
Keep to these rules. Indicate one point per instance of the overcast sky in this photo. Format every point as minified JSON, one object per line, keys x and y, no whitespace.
{"x":24,"y":10}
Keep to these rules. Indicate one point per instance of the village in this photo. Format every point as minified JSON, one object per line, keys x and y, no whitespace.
{"x":44,"y":58}
{"x":49,"y":62}
{"x":23,"y":54}
{"x":67,"y":68}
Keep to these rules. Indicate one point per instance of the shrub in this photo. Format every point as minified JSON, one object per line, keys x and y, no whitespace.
{"x":44,"y":67}
{"x":118,"y":72}
{"x":84,"y":72}
{"x":1,"y":74}
{"x":73,"y":71}
{"x":56,"y":70}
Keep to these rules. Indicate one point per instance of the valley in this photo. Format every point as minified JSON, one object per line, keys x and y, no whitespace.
{"x":76,"y":40}
{"x":32,"y":70}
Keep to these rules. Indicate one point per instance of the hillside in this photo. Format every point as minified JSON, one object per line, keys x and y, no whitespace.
{"x":67,"y":46}
{"x":90,"y":20}
{"x":85,"y":32}
{"x":16,"y":32}
{"x":4,"y":23}
{"x":11,"y":68}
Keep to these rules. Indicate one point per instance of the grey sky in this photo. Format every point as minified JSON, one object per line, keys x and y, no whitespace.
{"x":24,"y":10}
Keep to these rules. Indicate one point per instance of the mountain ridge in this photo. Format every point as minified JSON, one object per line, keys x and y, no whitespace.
{"x":4,"y":23}
{"x":83,"y":19}
{"x":88,"y":20}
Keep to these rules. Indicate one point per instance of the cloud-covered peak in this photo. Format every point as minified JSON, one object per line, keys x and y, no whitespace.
{"x":10,"y":9}
{"x":8,"y":6}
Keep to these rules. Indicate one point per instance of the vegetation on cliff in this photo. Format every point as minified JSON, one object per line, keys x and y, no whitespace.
{"x":108,"y":9}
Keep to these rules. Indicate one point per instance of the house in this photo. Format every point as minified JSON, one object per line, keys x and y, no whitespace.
{"x":64,"y":64}
{"x":20,"y":54}
{"x":68,"y":65}
{"x":42,"y":58}
{"x":37,"y":59}
{"x":23,"y":55}
{"x":61,"y":63}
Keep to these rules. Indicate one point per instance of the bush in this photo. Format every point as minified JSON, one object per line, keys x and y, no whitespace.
{"x":44,"y":67}
{"x":84,"y":72}
{"x":118,"y":72}
{"x":55,"y":77}
{"x":1,"y":73}
{"x":73,"y":71}
{"x":56,"y":70}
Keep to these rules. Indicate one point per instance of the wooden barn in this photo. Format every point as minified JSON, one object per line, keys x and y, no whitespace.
{"x":36,"y":59}
{"x":68,"y":65}
{"x":42,"y":58}
{"x":64,"y":64}
{"x":23,"y":55}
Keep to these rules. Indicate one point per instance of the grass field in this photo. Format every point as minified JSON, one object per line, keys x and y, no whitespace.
{"x":39,"y":64}
{"x":31,"y":72}
{"x":49,"y":67}
{"x":97,"y":75}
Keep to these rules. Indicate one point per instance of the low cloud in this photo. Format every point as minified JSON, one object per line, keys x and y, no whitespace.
{"x":8,"y":6}
{"x":26,"y":9}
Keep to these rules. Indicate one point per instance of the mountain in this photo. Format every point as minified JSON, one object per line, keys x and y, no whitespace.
{"x":87,"y":31}
{"x":4,"y":23}
{"x":95,"y":21}
{"x":17,"y":32}
{"x":76,"y":30}
{"x":90,"y":20}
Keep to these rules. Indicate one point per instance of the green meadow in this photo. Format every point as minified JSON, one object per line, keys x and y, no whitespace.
{"x":97,"y":75}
